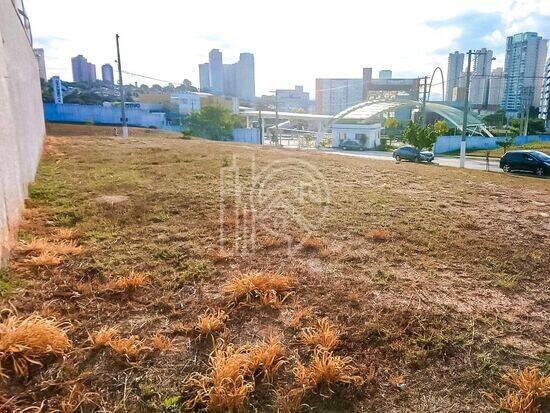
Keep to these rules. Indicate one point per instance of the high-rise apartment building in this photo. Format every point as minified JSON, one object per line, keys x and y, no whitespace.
{"x":291,"y":100}
{"x":545,"y":96}
{"x":523,"y":70}
{"x":496,"y":87}
{"x":107,"y":74}
{"x":39,"y":54}
{"x":215,"y":60}
{"x":83,"y":71}
{"x":334,"y":95}
{"x":236,"y":79}
{"x":480,"y":76}
{"x":204,"y":77}
{"x":454,"y":71}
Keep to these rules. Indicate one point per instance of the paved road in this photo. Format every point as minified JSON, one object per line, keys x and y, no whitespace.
{"x":471,"y":162}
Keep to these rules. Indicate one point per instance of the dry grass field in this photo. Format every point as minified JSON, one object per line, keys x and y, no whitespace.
{"x":160,"y":274}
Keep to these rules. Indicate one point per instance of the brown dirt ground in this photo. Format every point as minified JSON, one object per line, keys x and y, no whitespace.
{"x":454,"y":291}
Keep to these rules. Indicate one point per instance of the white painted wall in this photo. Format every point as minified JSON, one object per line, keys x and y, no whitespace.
{"x":342,"y":131}
{"x":22,"y":127}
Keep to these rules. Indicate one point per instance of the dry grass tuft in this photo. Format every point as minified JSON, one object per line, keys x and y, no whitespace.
{"x":325,"y":371}
{"x":267,"y":288}
{"x":67,"y":234}
{"x":128,"y":283}
{"x":103,"y":337}
{"x":231,"y":377}
{"x":379,"y":235}
{"x":210,"y":322}
{"x":65,"y":248}
{"x":298,"y":316}
{"x":227,"y":385}
{"x":34,"y":245}
{"x":267,"y":357}
{"x":23,"y":341}
{"x":161,"y":343}
{"x":45,"y":259}
{"x":324,"y":336}
{"x":130,"y":347}
{"x":312,"y":244}
{"x":273,"y":242}
{"x":530,"y":389}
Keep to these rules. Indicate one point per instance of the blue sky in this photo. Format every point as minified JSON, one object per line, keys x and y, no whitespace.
{"x":294,"y":41}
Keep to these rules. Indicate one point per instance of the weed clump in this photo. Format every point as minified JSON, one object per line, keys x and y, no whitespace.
{"x":129,"y":283}
{"x":530,"y":389}
{"x":210,"y":322}
{"x":103,"y":337}
{"x":312,"y":244}
{"x":269,"y":289}
{"x":324,"y":336}
{"x":23,"y":341}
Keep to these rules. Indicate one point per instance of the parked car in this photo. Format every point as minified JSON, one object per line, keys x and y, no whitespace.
{"x":410,"y":153}
{"x":352,"y":145}
{"x":526,"y":161}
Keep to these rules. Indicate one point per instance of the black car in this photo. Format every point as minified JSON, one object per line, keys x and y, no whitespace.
{"x":352,"y":145}
{"x":410,"y":153}
{"x":526,"y":161}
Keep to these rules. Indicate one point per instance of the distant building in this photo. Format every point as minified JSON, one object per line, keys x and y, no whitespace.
{"x":57,"y":90}
{"x":523,"y":70}
{"x":189,"y":102}
{"x":455,"y":68}
{"x":246,"y":77}
{"x":83,"y":71}
{"x":39,"y":54}
{"x":204,"y":77}
{"x":385,"y":74}
{"x":107,"y":74}
{"x":496,"y":87}
{"x":479,"y":85}
{"x":334,"y":95}
{"x":389,"y":88}
{"x":545,"y":96}
{"x":292,"y":100}
{"x":236,"y":79}
{"x":215,"y":60}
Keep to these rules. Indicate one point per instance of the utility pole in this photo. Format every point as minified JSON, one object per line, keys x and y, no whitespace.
{"x":424,"y":101}
{"x":465,"y":114}
{"x":277,"y":118}
{"x":260,"y":124}
{"x":121,"y":85}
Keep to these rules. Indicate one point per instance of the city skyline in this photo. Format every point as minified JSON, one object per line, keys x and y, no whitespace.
{"x":281,"y":61}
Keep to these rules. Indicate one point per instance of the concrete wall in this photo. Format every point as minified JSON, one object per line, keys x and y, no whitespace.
{"x":343,"y":132}
{"x":22,"y":128}
{"x":446,"y":144}
{"x":106,"y":115}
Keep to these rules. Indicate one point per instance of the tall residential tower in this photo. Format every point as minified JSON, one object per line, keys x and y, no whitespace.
{"x":523,"y":70}
{"x":454,"y":71}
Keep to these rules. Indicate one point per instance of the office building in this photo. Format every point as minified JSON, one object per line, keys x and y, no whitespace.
{"x":235,"y":79}
{"x":83,"y":71}
{"x":204,"y":77}
{"x":292,"y":100}
{"x":57,"y":90}
{"x":496,"y":87}
{"x":107,"y":74}
{"x":479,"y":82}
{"x":389,"y":87}
{"x":39,"y":54}
{"x":523,"y":70}
{"x":385,"y":74}
{"x":455,"y":68}
{"x":545,"y":96}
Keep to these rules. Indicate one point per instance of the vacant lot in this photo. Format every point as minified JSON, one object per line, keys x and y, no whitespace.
{"x":433,"y":281}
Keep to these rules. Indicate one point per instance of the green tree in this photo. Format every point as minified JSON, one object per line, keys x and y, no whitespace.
{"x":421,"y":137}
{"x":211,"y":122}
{"x":441,"y":128}
{"x":497,"y":119}
{"x":391,"y":123}
{"x":505,"y":143}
